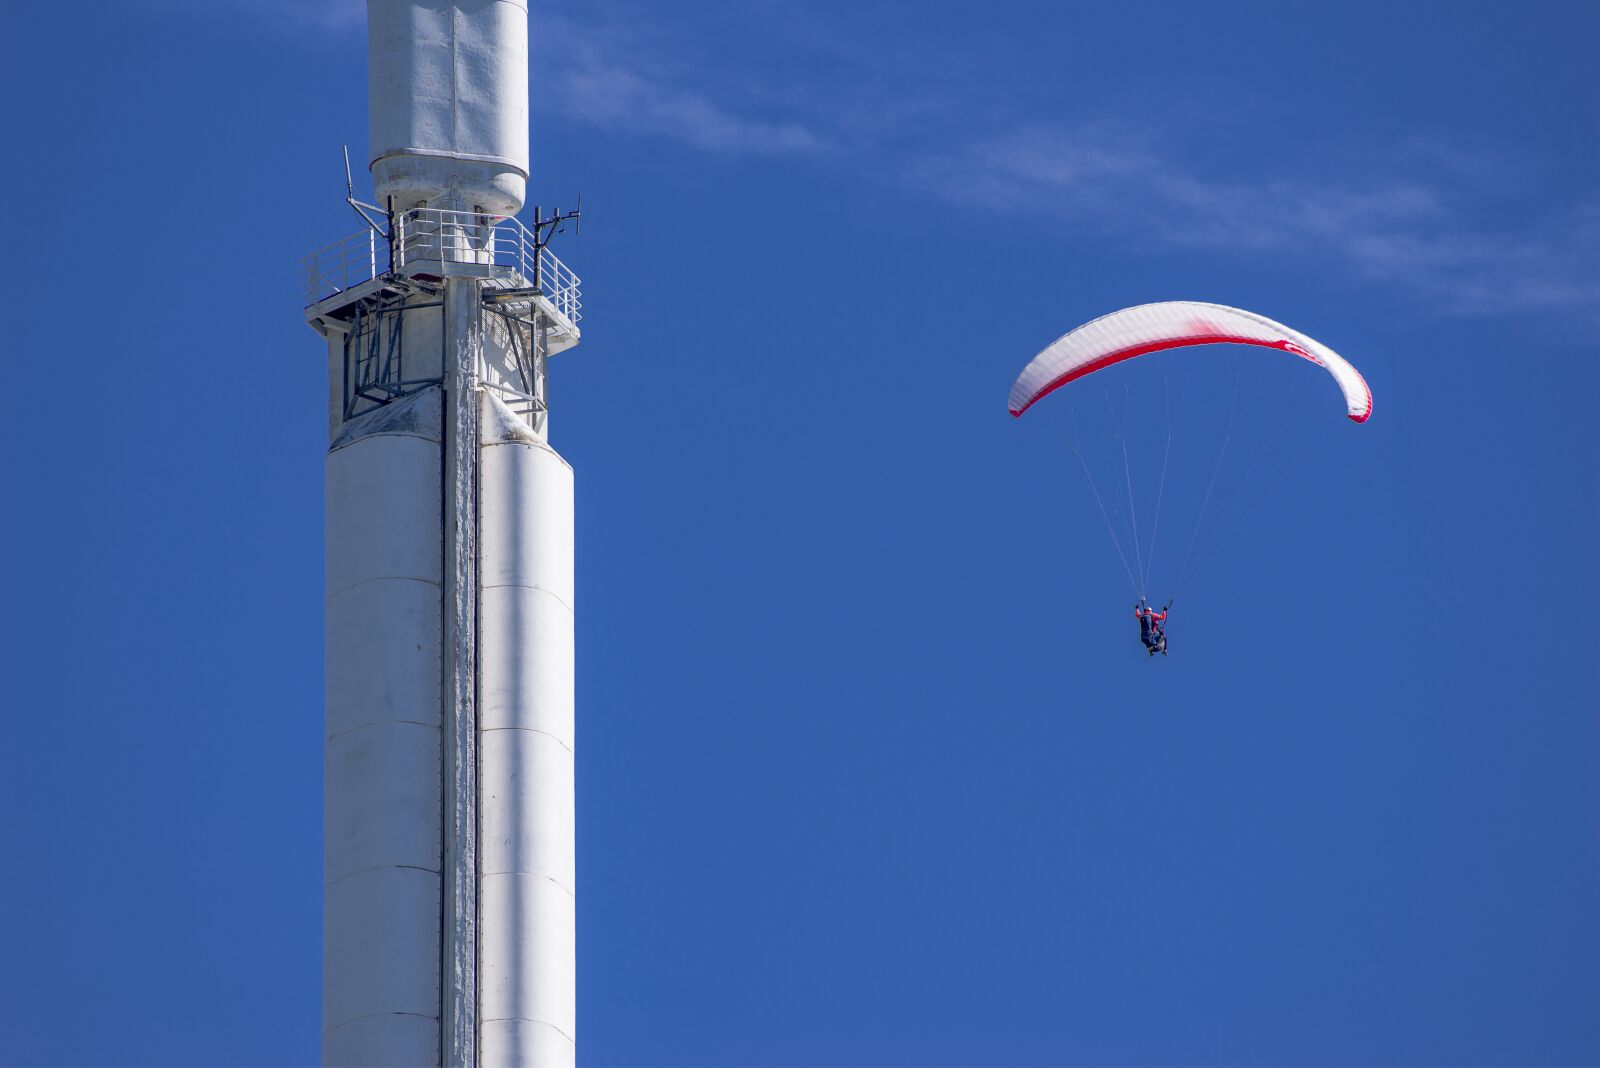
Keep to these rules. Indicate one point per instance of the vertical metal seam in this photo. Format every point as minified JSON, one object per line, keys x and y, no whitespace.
{"x":446,"y":702}
{"x":455,"y":103}
{"x":458,"y":963}
{"x":476,"y":993}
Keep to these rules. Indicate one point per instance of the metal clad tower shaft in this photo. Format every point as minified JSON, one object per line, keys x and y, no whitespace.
{"x":449,"y":901}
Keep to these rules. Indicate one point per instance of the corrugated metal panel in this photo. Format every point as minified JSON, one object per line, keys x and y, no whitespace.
{"x":527,"y":934}
{"x":382,"y":772}
{"x":448,"y":91}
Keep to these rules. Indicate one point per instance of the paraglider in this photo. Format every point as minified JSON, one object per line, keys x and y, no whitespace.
{"x":1148,"y":328}
{"x":1152,"y":626}
{"x":1137,"y":331}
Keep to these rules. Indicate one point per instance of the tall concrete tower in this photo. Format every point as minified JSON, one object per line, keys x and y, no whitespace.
{"x":448,"y":867}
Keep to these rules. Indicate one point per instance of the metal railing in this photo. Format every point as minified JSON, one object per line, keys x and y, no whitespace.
{"x":346,"y":263}
{"x":439,"y":241}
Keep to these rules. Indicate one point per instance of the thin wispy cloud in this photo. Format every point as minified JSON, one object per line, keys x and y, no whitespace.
{"x":610,"y":71}
{"x":587,"y":86}
{"x":1416,"y":218}
{"x":1420,"y":214}
{"x":1389,"y":229}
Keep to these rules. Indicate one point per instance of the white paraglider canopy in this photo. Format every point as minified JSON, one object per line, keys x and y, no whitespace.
{"x":1131,"y":332}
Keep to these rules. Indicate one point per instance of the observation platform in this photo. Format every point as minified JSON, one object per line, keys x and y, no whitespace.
{"x":425,"y":246}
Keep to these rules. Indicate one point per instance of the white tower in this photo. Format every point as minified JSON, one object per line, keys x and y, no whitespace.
{"x":448,"y":867}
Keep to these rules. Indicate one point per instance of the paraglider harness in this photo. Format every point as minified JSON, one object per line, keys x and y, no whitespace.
{"x":1152,"y":626}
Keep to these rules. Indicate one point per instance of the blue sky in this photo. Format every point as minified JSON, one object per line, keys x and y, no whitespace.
{"x":872,"y":769}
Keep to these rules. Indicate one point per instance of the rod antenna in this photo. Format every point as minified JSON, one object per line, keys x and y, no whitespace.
{"x":546,"y":227}
{"x":361,"y":208}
